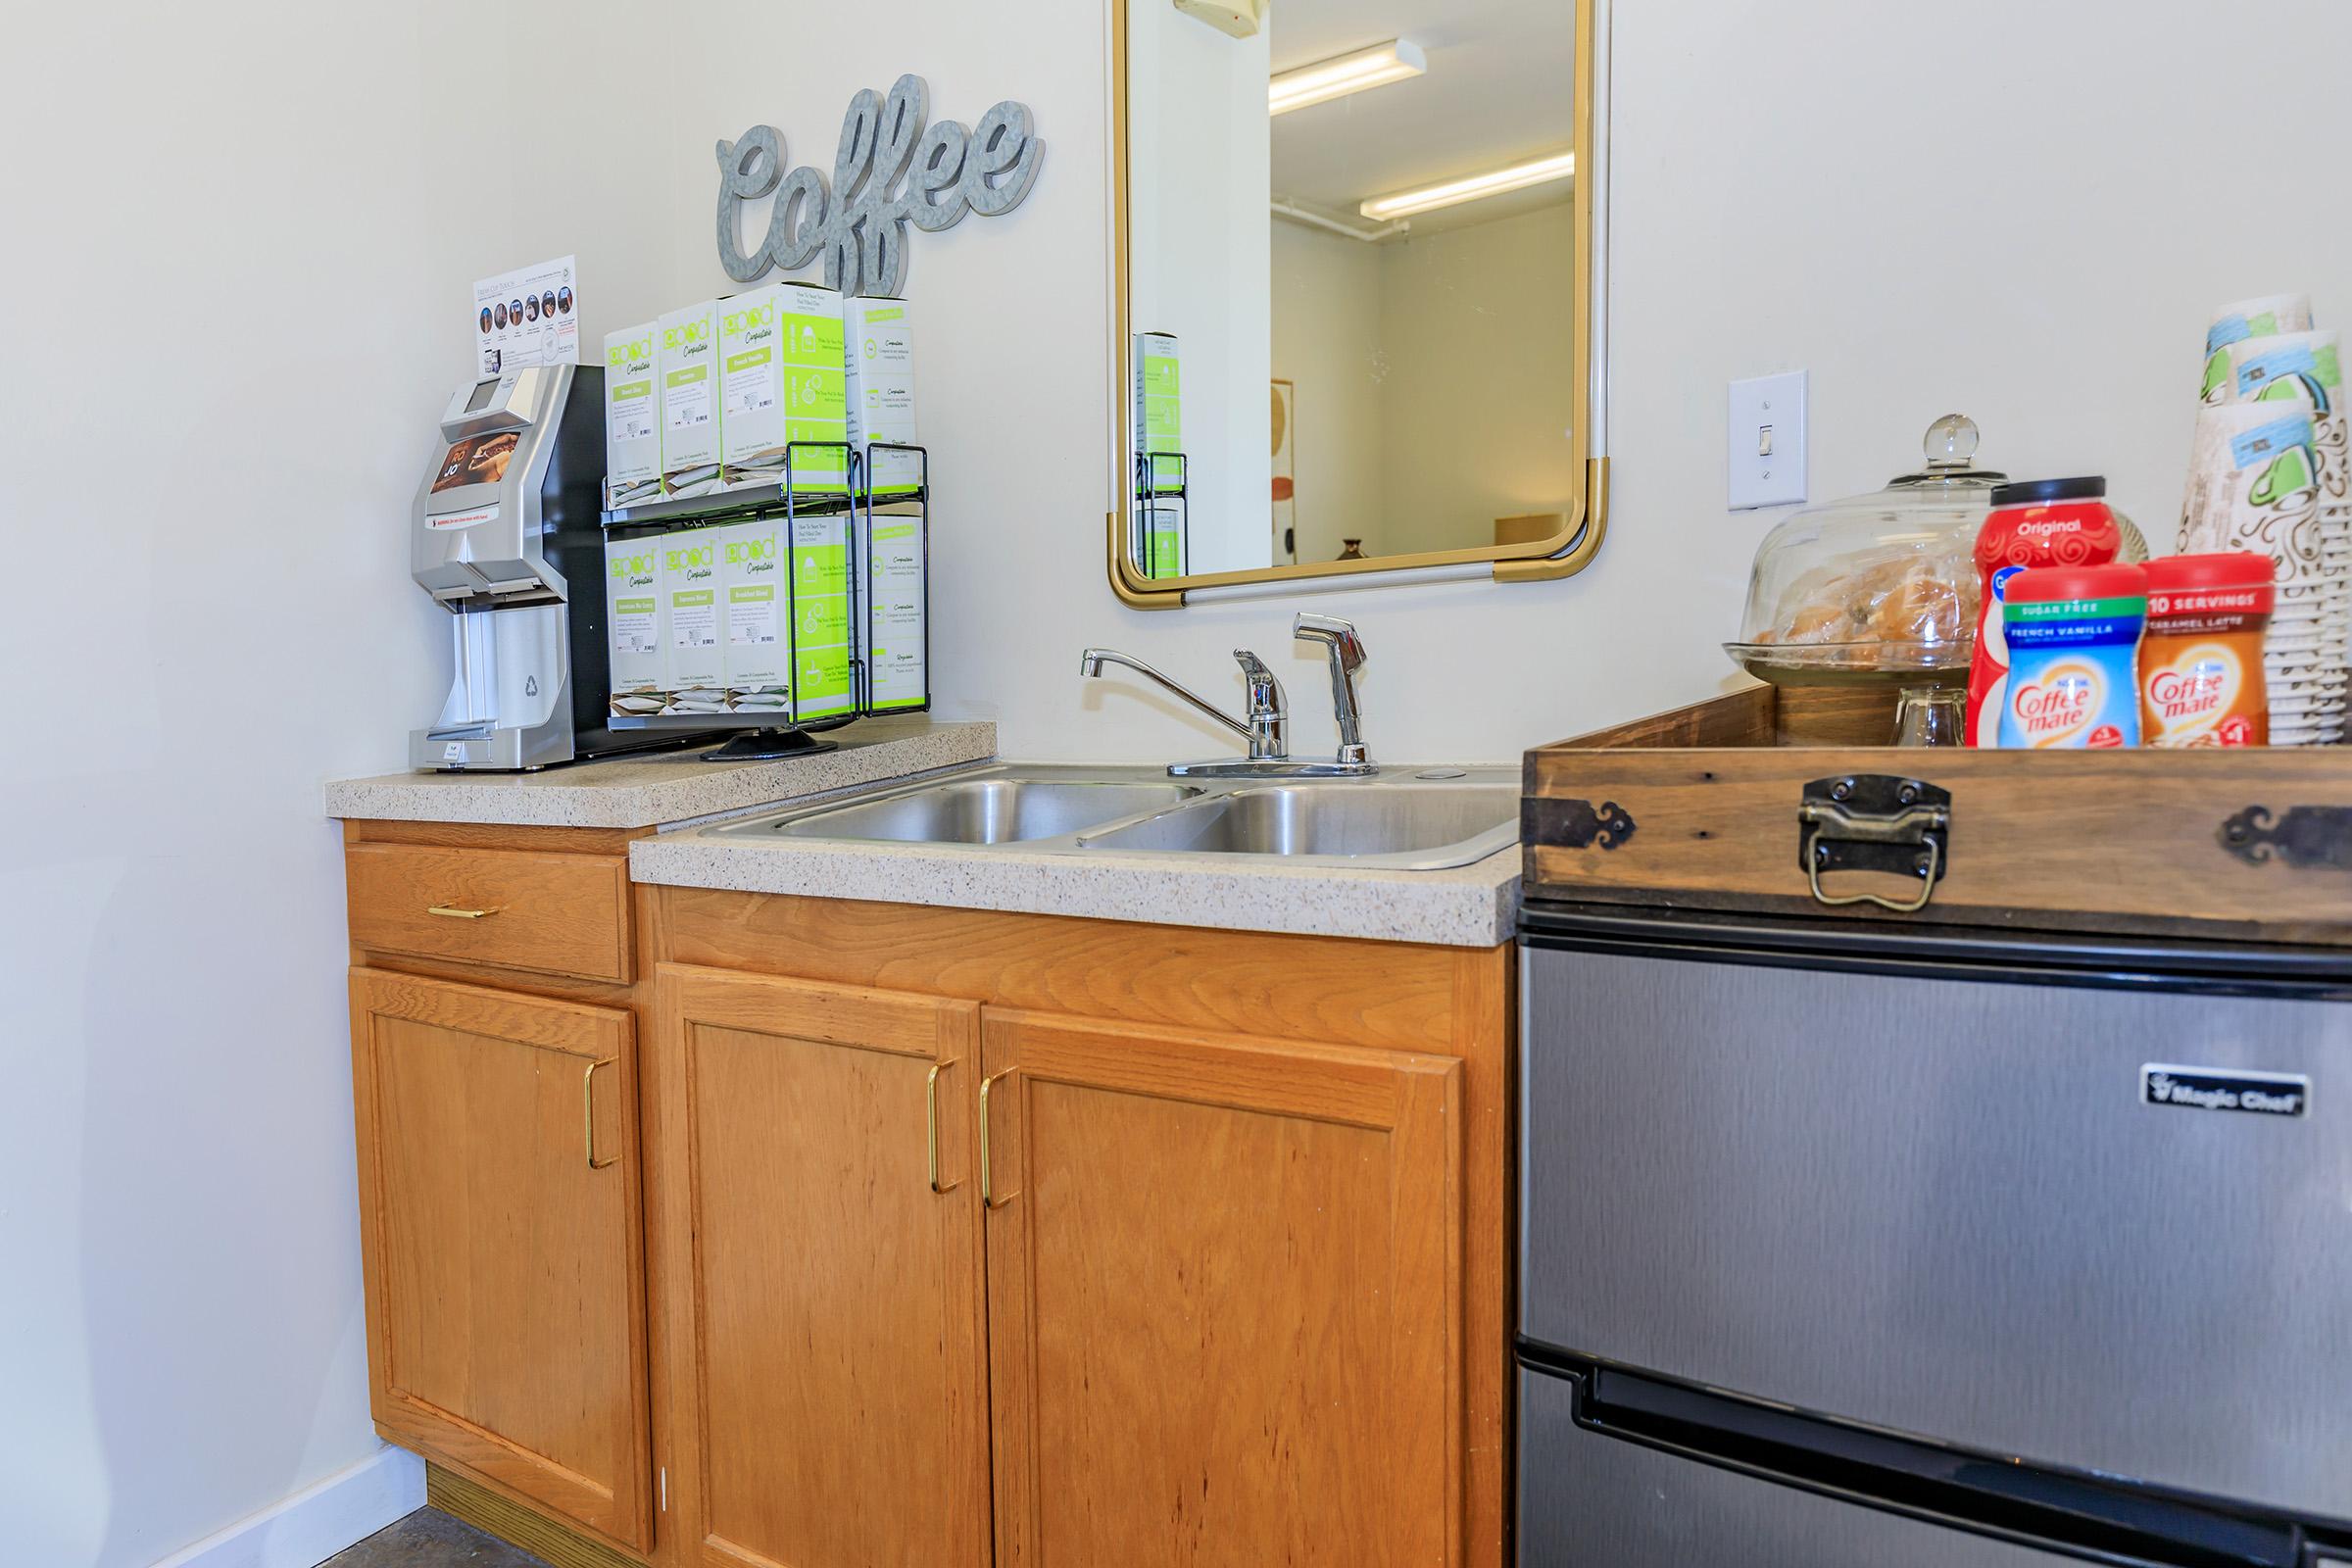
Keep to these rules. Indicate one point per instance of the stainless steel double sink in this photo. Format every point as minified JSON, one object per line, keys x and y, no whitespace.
{"x":1404,"y":818}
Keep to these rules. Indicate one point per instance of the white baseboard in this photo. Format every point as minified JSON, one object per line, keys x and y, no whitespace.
{"x":316,"y":1523}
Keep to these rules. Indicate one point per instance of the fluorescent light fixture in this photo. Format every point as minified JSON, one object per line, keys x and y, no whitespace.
{"x":1452,"y":192}
{"x":1336,"y":78}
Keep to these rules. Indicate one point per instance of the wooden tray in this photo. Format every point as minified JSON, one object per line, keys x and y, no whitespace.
{"x":1705,"y":808}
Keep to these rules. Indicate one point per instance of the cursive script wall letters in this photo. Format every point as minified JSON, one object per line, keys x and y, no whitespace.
{"x":890,"y":171}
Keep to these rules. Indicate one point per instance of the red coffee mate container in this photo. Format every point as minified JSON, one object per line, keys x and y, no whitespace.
{"x":2040,"y":522}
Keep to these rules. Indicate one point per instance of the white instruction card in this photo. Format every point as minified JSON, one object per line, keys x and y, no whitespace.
{"x":528,"y":317}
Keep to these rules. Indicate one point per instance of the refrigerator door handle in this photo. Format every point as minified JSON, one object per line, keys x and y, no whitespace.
{"x":2081,"y":1515}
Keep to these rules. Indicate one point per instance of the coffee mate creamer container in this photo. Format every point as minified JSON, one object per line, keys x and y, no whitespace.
{"x":2039,"y":522}
{"x":2074,"y":637}
{"x":2201,"y":680}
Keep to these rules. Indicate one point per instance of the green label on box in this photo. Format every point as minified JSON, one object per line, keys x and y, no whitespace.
{"x":813,"y":340}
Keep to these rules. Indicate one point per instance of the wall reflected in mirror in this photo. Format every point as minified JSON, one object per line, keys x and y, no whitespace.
{"x":1350,"y":264}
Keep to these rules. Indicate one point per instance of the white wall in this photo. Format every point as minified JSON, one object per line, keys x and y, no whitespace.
{"x":1326,"y":328}
{"x":1435,"y":380}
{"x":2011,"y":218}
{"x":270,"y":207}
{"x":1928,"y":216}
{"x":1199,"y":261}
{"x":1478,"y":335}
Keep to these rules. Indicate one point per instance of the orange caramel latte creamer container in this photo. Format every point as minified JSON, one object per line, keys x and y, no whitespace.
{"x":2200,"y":659}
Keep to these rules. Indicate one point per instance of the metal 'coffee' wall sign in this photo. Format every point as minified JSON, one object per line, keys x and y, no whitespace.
{"x":890,"y":171}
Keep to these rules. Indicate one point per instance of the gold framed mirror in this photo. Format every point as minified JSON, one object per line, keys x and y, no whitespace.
{"x":1384,"y":225}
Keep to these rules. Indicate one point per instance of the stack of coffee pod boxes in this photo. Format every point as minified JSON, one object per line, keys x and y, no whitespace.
{"x":753,"y":617}
{"x":2272,"y":473}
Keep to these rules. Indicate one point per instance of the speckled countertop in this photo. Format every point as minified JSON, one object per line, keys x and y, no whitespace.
{"x":667,"y":788}
{"x":1470,"y":905}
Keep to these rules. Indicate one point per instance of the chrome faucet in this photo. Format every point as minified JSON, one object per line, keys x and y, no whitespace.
{"x":1268,"y":727}
{"x":1267,"y":724}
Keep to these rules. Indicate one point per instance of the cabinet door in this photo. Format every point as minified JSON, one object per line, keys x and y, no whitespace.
{"x":820,"y":1272}
{"x":1224,"y":1299}
{"x":501,"y":1233}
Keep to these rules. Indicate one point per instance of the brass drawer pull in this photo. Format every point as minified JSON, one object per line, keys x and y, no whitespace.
{"x":449,"y":913}
{"x":999,"y":1199}
{"x":931,"y":1120}
{"x":588,"y":1113}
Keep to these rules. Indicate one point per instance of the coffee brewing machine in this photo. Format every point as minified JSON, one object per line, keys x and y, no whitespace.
{"x":507,"y":536}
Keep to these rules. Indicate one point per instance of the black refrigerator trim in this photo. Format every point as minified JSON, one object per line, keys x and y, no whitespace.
{"x":1954,"y":953}
{"x":2092,"y":1517}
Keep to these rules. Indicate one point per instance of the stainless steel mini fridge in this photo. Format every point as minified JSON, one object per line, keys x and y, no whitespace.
{"x":1862,"y":1246}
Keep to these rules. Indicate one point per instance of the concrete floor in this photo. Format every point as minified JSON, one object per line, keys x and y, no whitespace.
{"x":431,"y":1539}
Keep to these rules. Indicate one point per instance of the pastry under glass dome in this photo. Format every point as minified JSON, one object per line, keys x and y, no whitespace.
{"x":1878,"y":587}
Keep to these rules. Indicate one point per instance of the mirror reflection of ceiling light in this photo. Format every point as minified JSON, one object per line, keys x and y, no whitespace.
{"x":1452,"y":192}
{"x":1336,"y":78}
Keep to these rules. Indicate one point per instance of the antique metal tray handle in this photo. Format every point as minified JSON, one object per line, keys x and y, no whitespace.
{"x":1875,"y":822}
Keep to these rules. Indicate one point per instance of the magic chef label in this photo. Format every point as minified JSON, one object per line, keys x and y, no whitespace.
{"x":2260,"y":1094}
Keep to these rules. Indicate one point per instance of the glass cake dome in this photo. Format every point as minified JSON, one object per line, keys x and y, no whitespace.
{"x":1881,"y":585}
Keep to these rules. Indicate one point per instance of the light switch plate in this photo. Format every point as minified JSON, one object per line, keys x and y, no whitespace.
{"x":1766,"y":453}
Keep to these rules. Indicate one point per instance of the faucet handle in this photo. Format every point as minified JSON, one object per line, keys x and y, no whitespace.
{"x":1347,"y":647}
{"x":1269,"y":719}
{"x":1265,"y":691}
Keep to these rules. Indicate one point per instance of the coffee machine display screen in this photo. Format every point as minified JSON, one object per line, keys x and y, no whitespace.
{"x":476,"y":459}
{"x":481,"y":396}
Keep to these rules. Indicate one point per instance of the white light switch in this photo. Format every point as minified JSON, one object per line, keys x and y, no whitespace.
{"x":1766,"y":453}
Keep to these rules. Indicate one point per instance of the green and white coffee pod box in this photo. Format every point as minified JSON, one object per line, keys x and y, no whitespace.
{"x":690,"y":592}
{"x":809,"y":332}
{"x":632,"y":417}
{"x":633,"y":608}
{"x":1158,"y":408}
{"x":1158,"y":437}
{"x":878,"y":336}
{"x":895,"y":640}
{"x":751,"y":381}
{"x":751,"y":580}
{"x":688,"y":361}
{"x":820,"y":619}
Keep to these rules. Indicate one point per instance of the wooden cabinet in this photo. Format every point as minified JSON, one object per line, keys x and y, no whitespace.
{"x":1234,"y":1293}
{"x":501,"y":1229}
{"x":1224,"y":1299}
{"x":822,"y":1273}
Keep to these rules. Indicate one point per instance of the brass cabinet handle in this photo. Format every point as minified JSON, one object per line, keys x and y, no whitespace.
{"x":451,"y":913}
{"x":588,"y":1112}
{"x":931,"y":1121}
{"x":1001,"y":1200}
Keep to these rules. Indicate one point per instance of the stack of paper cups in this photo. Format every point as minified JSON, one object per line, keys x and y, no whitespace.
{"x":2265,"y":316}
{"x":2255,"y":483}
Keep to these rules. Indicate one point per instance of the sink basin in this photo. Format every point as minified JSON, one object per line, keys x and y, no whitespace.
{"x":988,"y":811}
{"x":1408,"y":826}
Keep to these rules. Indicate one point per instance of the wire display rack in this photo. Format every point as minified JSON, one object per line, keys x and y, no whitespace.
{"x":815,"y":520}
{"x":1160,"y":538}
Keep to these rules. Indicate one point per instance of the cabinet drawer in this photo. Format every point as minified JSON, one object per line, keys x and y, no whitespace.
{"x":517,"y":909}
